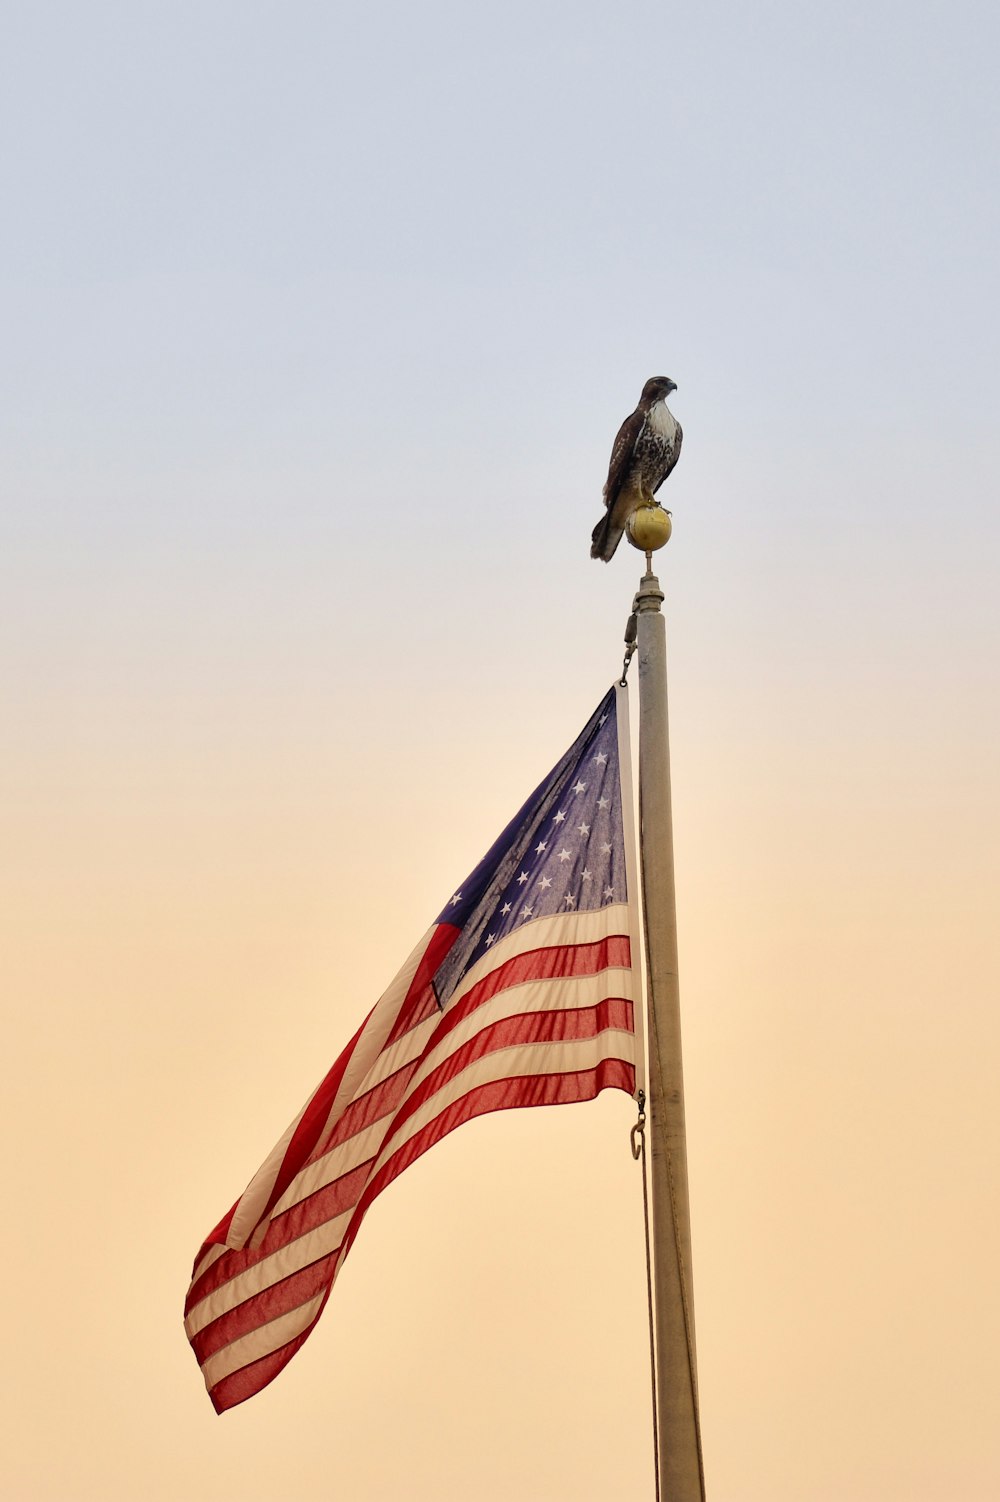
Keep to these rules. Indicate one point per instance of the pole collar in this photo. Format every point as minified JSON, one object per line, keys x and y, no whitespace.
{"x":650,"y":595}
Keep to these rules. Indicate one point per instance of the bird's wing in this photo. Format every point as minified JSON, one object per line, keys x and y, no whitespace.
{"x":678,"y":440}
{"x":622,"y":454}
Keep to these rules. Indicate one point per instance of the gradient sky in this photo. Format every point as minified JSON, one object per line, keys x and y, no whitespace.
{"x":318,"y":322}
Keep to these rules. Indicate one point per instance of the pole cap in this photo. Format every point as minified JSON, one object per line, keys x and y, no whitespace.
{"x":649,"y":528}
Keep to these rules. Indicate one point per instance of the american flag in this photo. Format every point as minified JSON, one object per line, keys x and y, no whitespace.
{"x":524,"y":992}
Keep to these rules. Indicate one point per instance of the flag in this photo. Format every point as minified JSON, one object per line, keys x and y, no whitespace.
{"x":524,"y":992}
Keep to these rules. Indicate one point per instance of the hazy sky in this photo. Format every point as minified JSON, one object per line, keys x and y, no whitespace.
{"x":317,"y":325}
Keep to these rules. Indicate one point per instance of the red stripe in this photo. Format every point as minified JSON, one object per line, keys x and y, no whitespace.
{"x":242,"y":1384}
{"x":421,"y":1002}
{"x":497,"y":1095}
{"x":313,"y":1119}
{"x":217,"y":1237}
{"x":365,"y":1109}
{"x":568,"y":1025}
{"x":557,"y":962}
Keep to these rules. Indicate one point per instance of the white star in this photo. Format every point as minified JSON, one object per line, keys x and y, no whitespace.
{"x":505,"y":910}
{"x":541,"y":848}
{"x":579,"y":787}
{"x":569,"y":900}
{"x":608,"y":892}
{"x":583,"y":829}
{"x":560,"y":816}
{"x":527,"y":912}
{"x":602,"y":720}
{"x":564,"y":855}
{"x":456,"y":899}
{"x":544,"y":883}
{"x":585,"y":875}
{"x":604,"y":802}
{"x":600,"y":758}
{"x":522,"y":878}
{"x":490,"y":939}
{"x":605,"y":848}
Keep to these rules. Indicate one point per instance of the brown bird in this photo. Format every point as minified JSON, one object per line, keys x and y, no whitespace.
{"x":644,"y":453}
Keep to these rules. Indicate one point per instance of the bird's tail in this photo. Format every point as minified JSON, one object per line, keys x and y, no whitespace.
{"x":605,"y":538}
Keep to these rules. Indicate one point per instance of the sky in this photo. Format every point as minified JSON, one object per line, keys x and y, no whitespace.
{"x":317,"y":325}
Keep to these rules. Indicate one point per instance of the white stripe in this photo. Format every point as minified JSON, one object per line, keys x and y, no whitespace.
{"x":333,"y":1165}
{"x":212,"y":1255}
{"x":260,"y":1342}
{"x":288,"y":1259}
{"x":407,"y":1047}
{"x":504,"y":1063}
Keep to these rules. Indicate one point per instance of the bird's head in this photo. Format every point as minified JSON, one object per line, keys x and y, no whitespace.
{"x":658,"y":388}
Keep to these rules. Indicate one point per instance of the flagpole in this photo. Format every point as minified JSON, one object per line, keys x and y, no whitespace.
{"x":681,"y":1471}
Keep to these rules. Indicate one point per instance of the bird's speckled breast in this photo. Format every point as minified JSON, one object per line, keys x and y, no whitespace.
{"x":654,"y":448}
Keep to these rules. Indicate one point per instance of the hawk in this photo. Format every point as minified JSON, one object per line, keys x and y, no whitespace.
{"x":644,"y":453}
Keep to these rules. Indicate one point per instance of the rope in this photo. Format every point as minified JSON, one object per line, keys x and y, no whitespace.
{"x":637,"y":1139}
{"x":688,"y":1331}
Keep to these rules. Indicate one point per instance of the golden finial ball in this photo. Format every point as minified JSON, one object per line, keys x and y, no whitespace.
{"x":649,"y":528}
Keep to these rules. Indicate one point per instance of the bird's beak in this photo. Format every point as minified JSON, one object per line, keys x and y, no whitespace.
{"x":671,"y":384}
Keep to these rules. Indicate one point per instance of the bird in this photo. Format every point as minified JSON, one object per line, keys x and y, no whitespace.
{"x":645,"y":451}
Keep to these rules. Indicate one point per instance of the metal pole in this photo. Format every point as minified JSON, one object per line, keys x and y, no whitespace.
{"x":681,"y":1477}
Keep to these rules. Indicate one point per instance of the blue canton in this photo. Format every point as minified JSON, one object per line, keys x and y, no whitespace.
{"x":564,"y":852}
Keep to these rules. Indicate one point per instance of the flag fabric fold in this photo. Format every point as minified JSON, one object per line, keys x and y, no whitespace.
{"x":524,"y":992}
